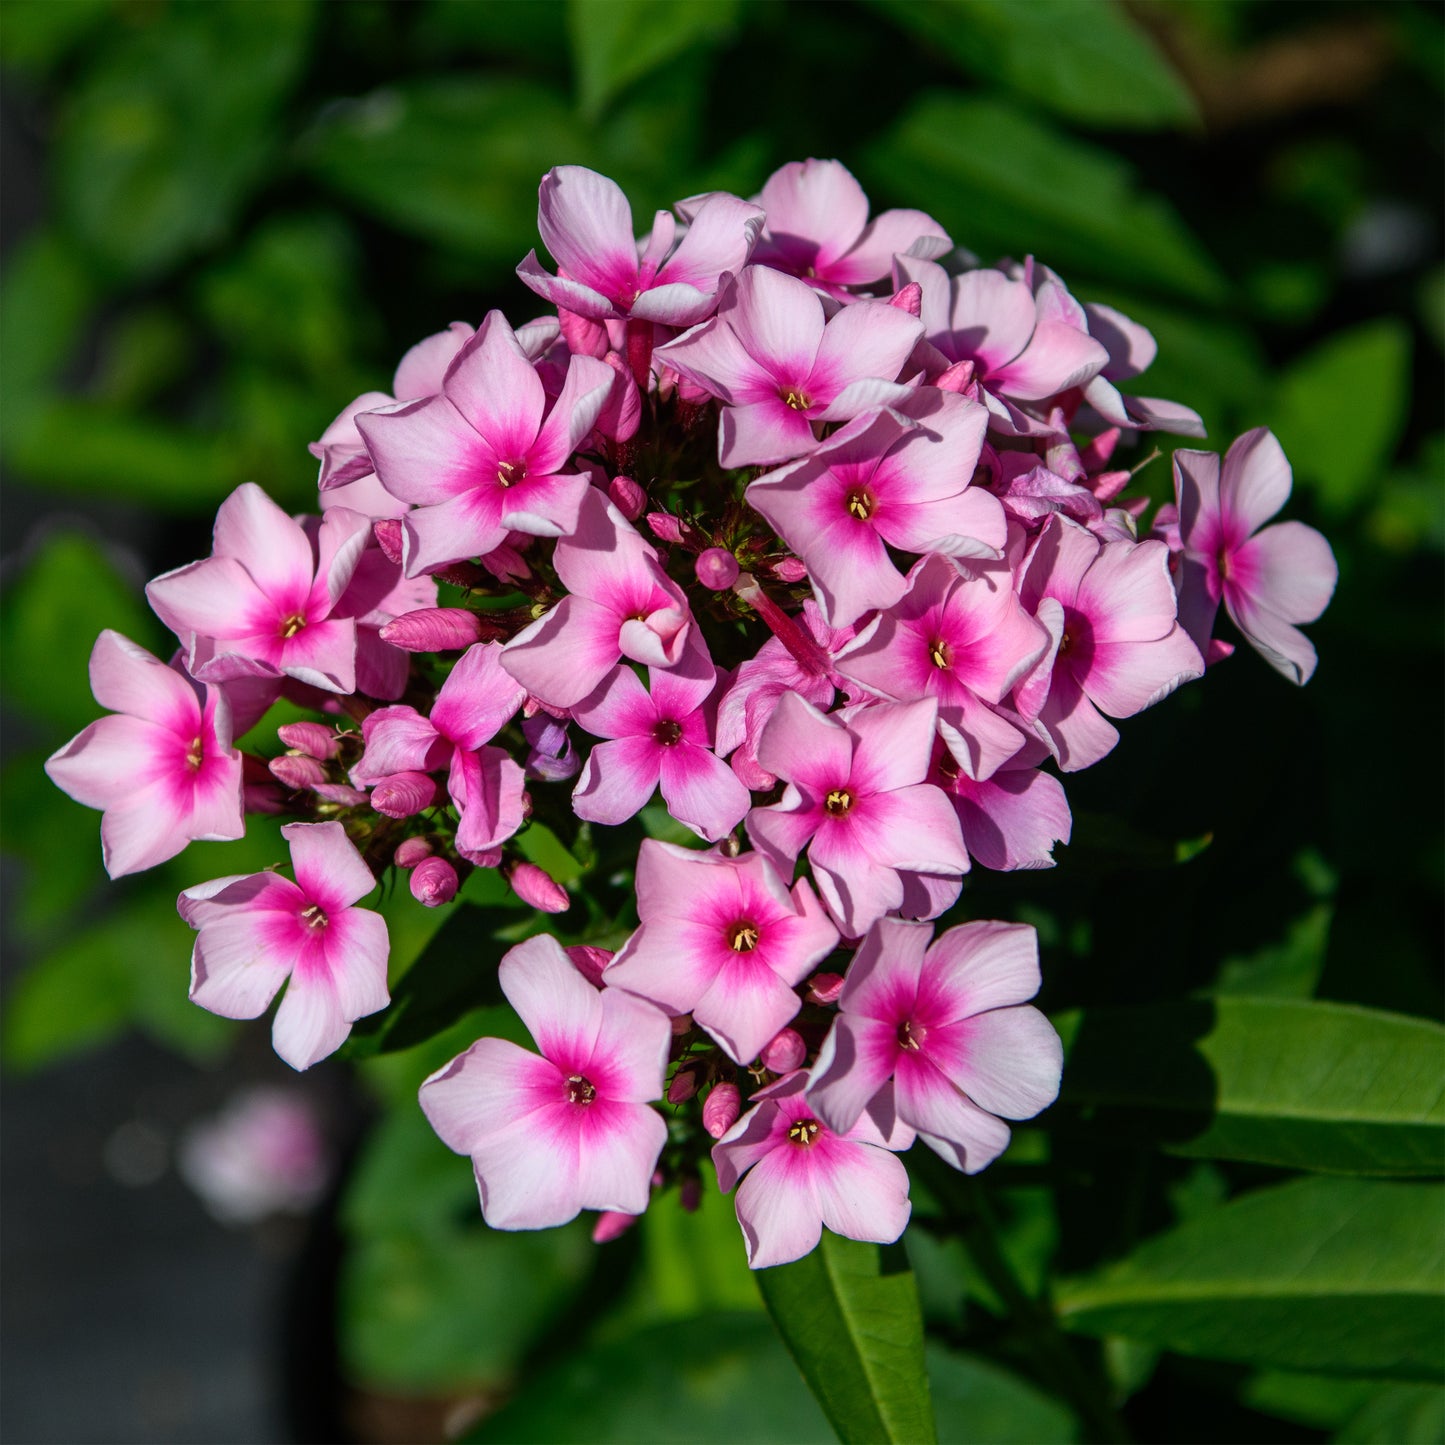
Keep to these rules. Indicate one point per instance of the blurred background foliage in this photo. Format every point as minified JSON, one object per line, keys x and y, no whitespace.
{"x":250,"y":208}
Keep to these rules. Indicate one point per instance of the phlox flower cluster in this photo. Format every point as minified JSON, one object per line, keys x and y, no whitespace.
{"x":781,"y":512}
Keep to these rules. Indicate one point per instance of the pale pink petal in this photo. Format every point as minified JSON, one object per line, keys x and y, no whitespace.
{"x":780,"y":322}
{"x":328,"y":867}
{"x":855,"y":1062}
{"x":142,"y":830}
{"x":816,"y":210}
{"x":886,"y":236}
{"x":869,"y":339}
{"x":1057,"y":358}
{"x":495,"y":1084}
{"x":981,"y":966}
{"x":489,"y":789}
{"x":1254,"y":482}
{"x":1013,"y":819}
{"x":618,"y":779}
{"x":779,"y":1210}
{"x":212,"y":597}
{"x":712,"y":357}
{"x":323,"y":654}
{"x":1125,"y":678}
{"x":584,"y":393}
{"x":1076,"y":730}
{"x":745,"y":1006}
{"x":1288,"y":569}
{"x":566,"y":653}
{"x":399,"y":740}
{"x":991,"y":318}
{"x":965,"y":1135}
{"x":862,"y":1191}
{"x":618,"y":1149}
{"x":102,"y":766}
{"x":560,"y":1008}
{"x":565,"y":294}
{"x":496,"y":391}
{"x":467,"y":525}
{"x":892,"y":744}
{"x":253,"y":530}
{"x":126,"y":678}
{"x":1126,"y":593}
{"x":421,"y":371}
{"x":425,"y":452}
{"x":761,"y":433}
{"x":478,"y":698}
{"x":629,"y":1059}
{"x":528,"y":1173}
{"x":1284,"y":647}
{"x":701,"y":791}
{"x":586,"y":223}
{"x":719,"y":237}
{"x":1011,"y":1063}
{"x":802,"y":745}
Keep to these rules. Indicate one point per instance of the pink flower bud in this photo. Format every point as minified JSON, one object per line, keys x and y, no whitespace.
{"x":909,"y":299}
{"x":785,"y":1051}
{"x":790,"y":569}
{"x":682,"y":1087}
{"x":342,"y":793}
{"x":611,"y":1225}
{"x":717,"y":569}
{"x":825,"y":987}
{"x":505,"y":563}
{"x":297,"y":772}
{"x":627,"y":497}
{"x":433,"y":882}
{"x":388,"y":537}
{"x":721,"y":1108}
{"x":533,"y":885}
{"x":315,"y":740}
{"x":411,"y":851}
{"x":404,"y":794}
{"x":959,"y":378}
{"x":690,"y":1194}
{"x":589,"y":961}
{"x":437,"y":629}
{"x":665,"y":527}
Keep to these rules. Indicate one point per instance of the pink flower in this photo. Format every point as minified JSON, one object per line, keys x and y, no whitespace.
{"x":780,"y":365}
{"x":484,"y":456}
{"x":660,"y":739}
{"x":856,"y":798}
{"x":255,"y":933}
{"x":948,"y":1024}
{"x":1268,"y":578}
{"x":802,"y":1175}
{"x":899,"y":479}
{"x":586,"y":223}
{"x":161,"y":767}
{"x":264,"y":603}
{"x":1114,"y":647}
{"x":622,"y":604}
{"x":568,"y":1131}
{"x":818,"y":228}
{"x":723,"y":939}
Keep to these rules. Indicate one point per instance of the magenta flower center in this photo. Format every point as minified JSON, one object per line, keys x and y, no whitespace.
{"x":743,"y":936}
{"x":911,"y":1036}
{"x":838,"y":803}
{"x":579,"y":1090}
{"x":796,"y":398}
{"x":940,"y":654}
{"x":509,"y":473}
{"x":315,"y":916}
{"x":668,"y":733}
{"x":860,"y":504}
{"x":804,"y":1133}
{"x":293,"y":624}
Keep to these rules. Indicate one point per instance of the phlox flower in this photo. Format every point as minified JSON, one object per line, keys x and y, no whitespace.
{"x":484,"y":456}
{"x":777,"y":361}
{"x":161,"y":766}
{"x":818,"y":229}
{"x":723,"y":939}
{"x":897,"y":478}
{"x":857,"y":800}
{"x":572,"y":1129}
{"x":256,"y":932}
{"x":265,"y":602}
{"x":802,"y":1175}
{"x":586,"y":223}
{"x":948,"y":1024}
{"x":1268,"y":578}
{"x":475,"y":701}
{"x":660,"y":738}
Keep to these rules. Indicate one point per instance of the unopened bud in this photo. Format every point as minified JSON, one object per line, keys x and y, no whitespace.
{"x":909,"y":299}
{"x":785,"y":1051}
{"x":682,"y":1087}
{"x":506,"y":563}
{"x":535,"y":886}
{"x":611,"y":1225}
{"x":437,"y":629}
{"x":825,"y":987}
{"x":627,"y":497}
{"x":402,"y":795}
{"x":433,"y":882}
{"x":342,"y":793}
{"x":717,"y":569}
{"x":388,"y":537}
{"x":665,"y":527}
{"x":411,"y":851}
{"x":589,"y":961}
{"x":297,"y":773}
{"x":721,"y":1108}
{"x":316,"y":740}
{"x":790,"y":569}
{"x":958,"y":377}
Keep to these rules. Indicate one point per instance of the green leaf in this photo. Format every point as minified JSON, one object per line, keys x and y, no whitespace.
{"x":37,"y":35}
{"x":1342,"y":451}
{"x":719,"y":1379}
{"x":1400,"y":1415}
{"x":1004,"y":183}
{"x":975,"y":1399}
{"x":615,"y":42}
{"x":1340,"y":1275}
{"x":45,"y":300}
{"x":851,"y":1319}
{"x":165,"y":138}
{"x":1084,"y":59}
{"x":1302,"y":1085}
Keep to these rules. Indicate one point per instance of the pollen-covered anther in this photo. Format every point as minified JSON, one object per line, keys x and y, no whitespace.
{"x":860,"y":504}
{"x":293,"y":624}
{"x":804,"y":1132}
{"x":668,"y":733}
{"x":794,"y":397}
{"x":941,"y":655}
{"x":579,"y":1090}
{"x":910,"y":1036}
{"x":315,"y":916}
{"x":195,"y":754}
{"x":838,"y":803}
{"x":509,"y":473}
{"x":743,"y":937}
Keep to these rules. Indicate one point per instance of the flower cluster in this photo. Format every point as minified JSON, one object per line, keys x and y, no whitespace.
{"x":780,"y":512}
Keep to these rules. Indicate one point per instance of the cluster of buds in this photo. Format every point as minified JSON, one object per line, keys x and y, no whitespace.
{"x":779,"y":514}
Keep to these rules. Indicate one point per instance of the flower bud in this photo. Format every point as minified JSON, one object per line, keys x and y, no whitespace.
{"x":589,"y":961}
{"x":436,"y":629}
{"x":721,"y":1108}
{"x":533,"y":885}
{"x":790,"y":569}
{"x":404,"y":794}
{"x":959,"y":378}
{"x":909,"y":298}
{"x":433,"y":882}
{"x":611,"y":1225}
{"x":682,"y":1087}
{"x":627,"y":497}
{"x":505,"y":562}
{"x":342,"y":793}
{"x":665,"y":527}
{"x":388,"y":537}
{"x":315,"y":740}
{"x":411,"y":851}
{"x":825,"y":987}
{"x":717,"y":569}
{"x":785,"y":1051}
{"x":297,"y":773}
